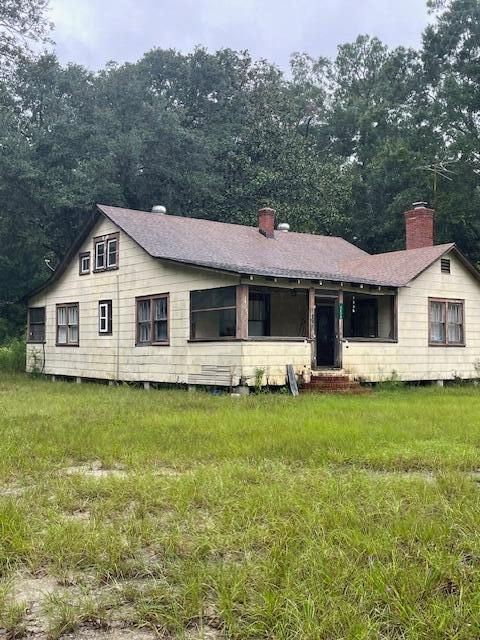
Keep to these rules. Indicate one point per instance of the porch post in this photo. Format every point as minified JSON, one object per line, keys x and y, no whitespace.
{"x":339,"y":345}
{"x":311,"y":324}
{"x":341,"y":315}
{"x":242,"y":311}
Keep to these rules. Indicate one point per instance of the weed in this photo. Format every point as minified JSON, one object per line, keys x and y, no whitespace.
{"x":327,"y":517}
{"x":12,"y":356}
{"x":259,"y":373}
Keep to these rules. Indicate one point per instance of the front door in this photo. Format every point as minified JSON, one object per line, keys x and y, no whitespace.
{"x":325,"y":333}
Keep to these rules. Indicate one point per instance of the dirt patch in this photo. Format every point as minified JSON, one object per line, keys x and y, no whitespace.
{"x":204,"y":633}
{"x":111,"y":634}
{"x":78,"y":515}
{"x":95,"y":469}
{"x":389,"y":474}
{"x":169,"y":472}
{"x":33,"y":589}
{"x":12,"y":492}
{"x":427,"y":476}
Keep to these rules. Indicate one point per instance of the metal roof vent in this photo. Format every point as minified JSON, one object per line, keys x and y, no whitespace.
{"x":420,"y":205}
{"x":158,"y":208}
{"x":283,"y":226}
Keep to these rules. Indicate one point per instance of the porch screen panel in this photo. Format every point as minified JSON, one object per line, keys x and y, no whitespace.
{"x":213,"y":313}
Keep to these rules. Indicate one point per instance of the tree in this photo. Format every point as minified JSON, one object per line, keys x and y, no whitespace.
{"x":22,"y":22}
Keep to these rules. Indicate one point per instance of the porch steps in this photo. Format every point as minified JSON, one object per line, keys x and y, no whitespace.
{"x":333,"y":382}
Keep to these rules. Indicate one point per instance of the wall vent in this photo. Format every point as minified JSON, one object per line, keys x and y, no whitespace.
{"x":445,"y":265}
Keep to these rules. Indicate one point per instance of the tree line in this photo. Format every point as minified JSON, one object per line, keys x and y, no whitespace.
{"x":337,"y":146}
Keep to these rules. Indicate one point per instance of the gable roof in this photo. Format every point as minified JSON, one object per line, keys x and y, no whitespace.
{"x":234,"y":248}
{"x":242,"y":250}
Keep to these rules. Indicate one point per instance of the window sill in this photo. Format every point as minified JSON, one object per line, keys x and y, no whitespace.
{"x":278,"y":339}
{"x":58,"y":344}
{"x":151,"y":344}
{"x":384,"y":340}
{"x":250,"y":339}
{"x":104,"y":269}
{"x":225,"y":339}
{"x":442,"y":344}
{"x":85,"y":273}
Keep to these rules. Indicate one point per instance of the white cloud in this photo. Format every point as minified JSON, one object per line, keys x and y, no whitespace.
{"x":92,"y":32}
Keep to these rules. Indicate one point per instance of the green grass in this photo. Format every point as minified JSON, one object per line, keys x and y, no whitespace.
{"x":12,"y":356}
{"x":263,"y":517}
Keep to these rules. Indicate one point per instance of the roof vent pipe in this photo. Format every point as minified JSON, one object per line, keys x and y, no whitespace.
{"x":284,"y":226}
{"x":158,"y":208}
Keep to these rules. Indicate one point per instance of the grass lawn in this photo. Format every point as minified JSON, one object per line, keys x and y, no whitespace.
{"x":134,"y":514}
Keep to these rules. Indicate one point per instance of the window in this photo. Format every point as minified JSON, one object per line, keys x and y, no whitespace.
{"x":112,"y":253}
{"x":67,"y":324}
{"x":106,"y":252}
{"x":213,"y":313}
{"x":99,"y":255}
{"x":105,"y":317}
{"x":84,"y":263}
{"x":446,"y":323}
{"x":36,"y":325}
{"x":277,"y":312}
{"x":445,"y":265}
{"x":258,"y":313}
{"x":369,"y":317}
{"x":152,"y":320}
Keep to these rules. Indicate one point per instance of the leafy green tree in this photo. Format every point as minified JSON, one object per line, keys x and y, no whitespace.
{"x":22,"y":22}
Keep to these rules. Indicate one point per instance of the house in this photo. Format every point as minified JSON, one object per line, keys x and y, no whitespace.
{"x":153,"y":298}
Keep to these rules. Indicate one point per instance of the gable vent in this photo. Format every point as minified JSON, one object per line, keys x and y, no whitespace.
{"x":445,"y":265}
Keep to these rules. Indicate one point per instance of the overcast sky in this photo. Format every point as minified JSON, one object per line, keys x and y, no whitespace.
{"x":92,"y":32}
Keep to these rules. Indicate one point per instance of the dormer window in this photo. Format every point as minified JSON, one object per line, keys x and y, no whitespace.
{"x":112,"y":253}
{"x":84,"y":263}
{"x":106,"y":252}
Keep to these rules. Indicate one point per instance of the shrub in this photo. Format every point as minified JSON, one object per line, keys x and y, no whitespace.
{"x":12,"y":356}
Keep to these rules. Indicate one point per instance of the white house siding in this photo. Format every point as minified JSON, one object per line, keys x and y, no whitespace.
{"x":116,"y":357}
{"x":271,"y":357}
{"x":411,"y":358}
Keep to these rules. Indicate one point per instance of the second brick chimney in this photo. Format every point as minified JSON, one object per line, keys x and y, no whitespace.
{"x":419,"y":226}
{"x":266,"y":222}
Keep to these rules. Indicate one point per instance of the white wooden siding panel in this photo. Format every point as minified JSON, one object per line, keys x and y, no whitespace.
{"x":412,"y":358}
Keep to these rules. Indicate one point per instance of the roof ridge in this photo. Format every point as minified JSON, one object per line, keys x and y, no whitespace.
{"x":234,"y":224}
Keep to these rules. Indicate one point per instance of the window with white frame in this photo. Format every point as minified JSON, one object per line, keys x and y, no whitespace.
{"x":106,"y":252}
{"x":112,"y":245}
{"x":99,"y":255}
{"x":67,"y":324}
{"x":105,"y":317}
{"x":446,"y":322}
{"x":84,"y":263}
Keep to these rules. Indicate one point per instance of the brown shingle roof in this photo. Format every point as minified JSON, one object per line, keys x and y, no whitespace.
{"x":243,"y":250}
{"x":396,"y":267}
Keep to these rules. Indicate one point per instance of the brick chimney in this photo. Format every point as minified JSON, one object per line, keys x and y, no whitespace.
{"x":266,"y":222}
{"x":419,"y":226}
